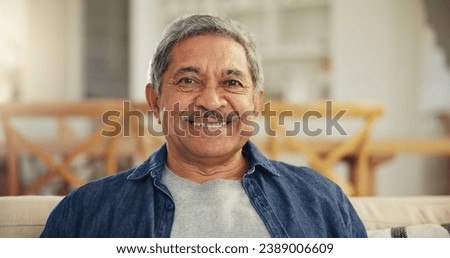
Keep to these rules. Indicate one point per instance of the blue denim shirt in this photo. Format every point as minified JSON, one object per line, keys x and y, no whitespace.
{"x":292,"y":202}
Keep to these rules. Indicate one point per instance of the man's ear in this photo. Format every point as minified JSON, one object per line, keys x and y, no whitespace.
{"x":152,"y":97}
{"x":258,"y":101}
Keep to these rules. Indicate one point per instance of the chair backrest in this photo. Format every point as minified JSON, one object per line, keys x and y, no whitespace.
{"x":323,"y":154}
{"x":66,"y":143}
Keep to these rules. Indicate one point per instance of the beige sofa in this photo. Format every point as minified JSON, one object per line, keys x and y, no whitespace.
{"x":25,"y":216}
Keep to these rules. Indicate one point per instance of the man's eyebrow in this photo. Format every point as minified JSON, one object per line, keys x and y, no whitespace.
{"x":192,"y":69}
{"x":187,"y":69}
{"x":235,"y":72}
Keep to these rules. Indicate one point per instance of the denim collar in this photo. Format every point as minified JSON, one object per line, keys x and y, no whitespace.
{"x":154,"y":165}
{"x":256,"y":158}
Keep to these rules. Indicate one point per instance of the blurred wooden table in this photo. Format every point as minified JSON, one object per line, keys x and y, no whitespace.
{"x":427,"y":146}
{"x":392,"y":147}
{"x":383,"y":150}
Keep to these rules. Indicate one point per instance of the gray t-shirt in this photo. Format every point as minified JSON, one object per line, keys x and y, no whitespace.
{"x":217,"y":208}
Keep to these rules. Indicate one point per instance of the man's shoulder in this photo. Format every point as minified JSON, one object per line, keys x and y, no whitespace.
{"x":110,"y":182}
{"x":301,"y":192}
{"x":290,"y":171}
{"x":106,"y":189}
{"x":96,"y":204}
{"x":303,"y":179}
{"x":284,"y":171}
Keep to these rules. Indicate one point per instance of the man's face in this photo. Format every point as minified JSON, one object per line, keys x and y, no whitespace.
{"x":207,"y":97}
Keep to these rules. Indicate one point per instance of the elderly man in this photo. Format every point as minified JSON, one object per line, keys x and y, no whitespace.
{"x":208,"y":180}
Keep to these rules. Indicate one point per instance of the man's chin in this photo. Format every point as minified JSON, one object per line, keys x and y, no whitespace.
{"x":214,"y":150}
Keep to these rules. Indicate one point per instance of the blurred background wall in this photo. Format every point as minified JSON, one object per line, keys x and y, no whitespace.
{"x":369,"y":50}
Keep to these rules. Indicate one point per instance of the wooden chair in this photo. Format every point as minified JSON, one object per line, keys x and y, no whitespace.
{"x":59,"y":152}
{"x":323,"y":154}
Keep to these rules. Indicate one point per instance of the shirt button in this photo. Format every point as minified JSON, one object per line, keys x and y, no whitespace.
{"x":169,"y":205}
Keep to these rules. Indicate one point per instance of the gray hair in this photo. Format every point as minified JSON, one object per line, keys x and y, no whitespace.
{"x":195,"y":25}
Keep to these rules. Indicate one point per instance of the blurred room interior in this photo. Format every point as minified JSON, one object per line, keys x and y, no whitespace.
{"x":392,"y":53}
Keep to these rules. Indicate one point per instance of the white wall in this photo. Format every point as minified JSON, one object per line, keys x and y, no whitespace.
{"x":377,"y":49}
{"x":52,"y":64}
{"x":12,"y":44}
{"x":144,"y":34}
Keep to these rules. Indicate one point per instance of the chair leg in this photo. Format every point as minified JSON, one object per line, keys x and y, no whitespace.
{"x":13,"y":173}
{"x":3,"y":177}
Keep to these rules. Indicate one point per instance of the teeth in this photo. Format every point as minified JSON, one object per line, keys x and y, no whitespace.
{"x":210,"y":125}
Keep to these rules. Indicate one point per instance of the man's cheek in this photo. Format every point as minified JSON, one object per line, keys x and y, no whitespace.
{"x":248,"y":124}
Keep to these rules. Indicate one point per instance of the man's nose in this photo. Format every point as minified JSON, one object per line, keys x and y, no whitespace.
{"x":211,"y":98}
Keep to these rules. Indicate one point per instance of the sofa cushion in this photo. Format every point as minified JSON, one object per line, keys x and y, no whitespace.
{"x":389,"y":212}
{"x":25,"y":216}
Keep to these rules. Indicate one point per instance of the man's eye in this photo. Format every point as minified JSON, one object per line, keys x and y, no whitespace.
{"x":233,"y":83}
{"x":186,"y":81}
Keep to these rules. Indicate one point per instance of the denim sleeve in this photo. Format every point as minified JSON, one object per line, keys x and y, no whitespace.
{"x":57,"y":225}
{"x":354,"y":224}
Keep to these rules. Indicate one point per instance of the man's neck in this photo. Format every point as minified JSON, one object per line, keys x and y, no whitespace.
{"x":200,"y":170}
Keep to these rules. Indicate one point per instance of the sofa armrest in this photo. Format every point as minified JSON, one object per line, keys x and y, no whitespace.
{"x":25,"y":216}
{"x":388,"y":212}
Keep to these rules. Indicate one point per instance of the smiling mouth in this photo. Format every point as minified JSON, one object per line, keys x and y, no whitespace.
{"x":210,"y":119}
